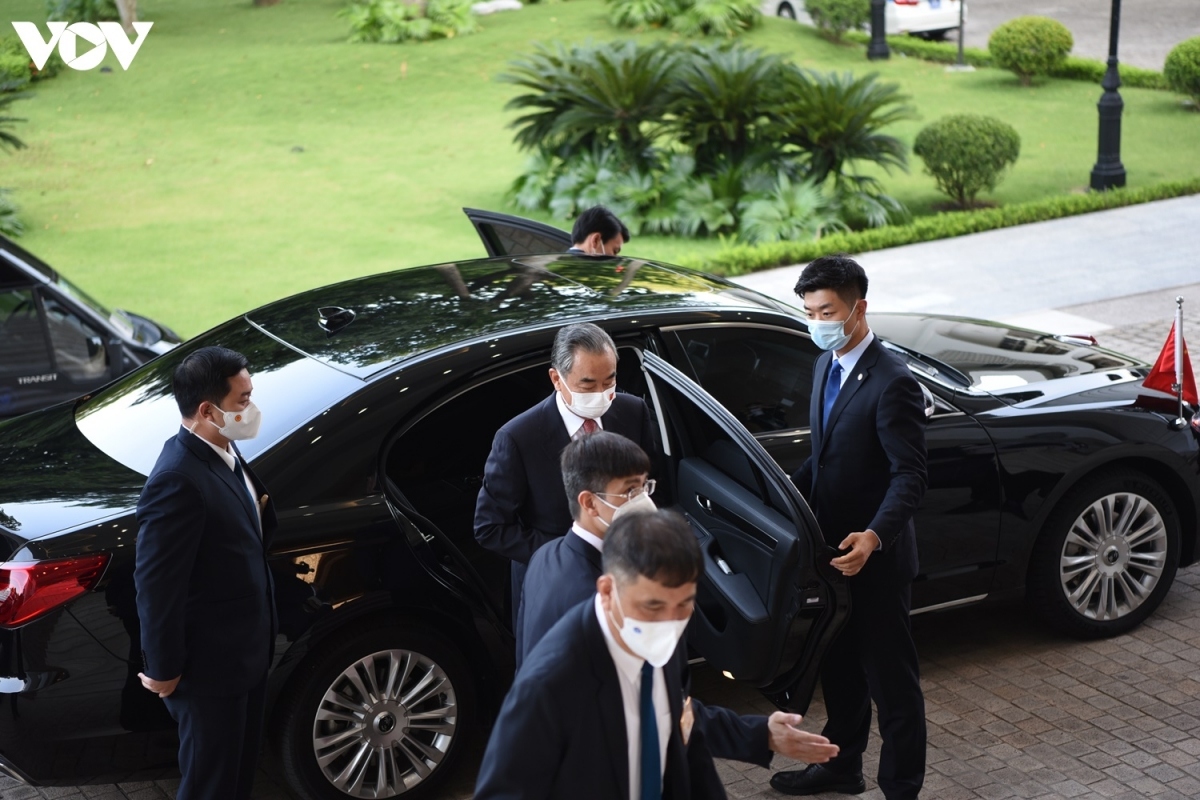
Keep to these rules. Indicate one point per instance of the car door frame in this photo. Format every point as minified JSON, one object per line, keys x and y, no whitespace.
{"x":481,"y":219}
{"x":793,"y":684}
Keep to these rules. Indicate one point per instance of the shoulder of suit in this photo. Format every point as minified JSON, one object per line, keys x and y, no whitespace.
{"x":560,"y":654}
{"x":529,"y":420}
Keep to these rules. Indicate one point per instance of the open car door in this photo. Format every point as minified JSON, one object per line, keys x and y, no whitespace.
{"x":506,"y":235}
{"x":768,"y":604}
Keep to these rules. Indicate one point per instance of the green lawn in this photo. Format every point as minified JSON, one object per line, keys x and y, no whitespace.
{"x":176,"y":188}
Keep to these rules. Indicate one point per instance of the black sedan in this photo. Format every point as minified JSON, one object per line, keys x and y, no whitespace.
{"x":56,"y":342}
{"x":380,"y":398}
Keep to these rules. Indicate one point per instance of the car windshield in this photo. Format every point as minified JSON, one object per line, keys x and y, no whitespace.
{"x":131,"y":418}
{"x":118,"y":318}
{"x":995,"y":357}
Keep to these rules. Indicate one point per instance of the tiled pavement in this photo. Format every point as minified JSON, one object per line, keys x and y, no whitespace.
{"x":1014,"y":710}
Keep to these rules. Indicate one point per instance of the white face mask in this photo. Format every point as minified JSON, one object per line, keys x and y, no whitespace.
{"x":591,"y":405}
{"x":240,"y":425}
{"x":653,"y":641}
{"x":640,"y":504}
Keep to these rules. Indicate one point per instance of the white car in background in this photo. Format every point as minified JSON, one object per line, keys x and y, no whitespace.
{"x":930,"y":19}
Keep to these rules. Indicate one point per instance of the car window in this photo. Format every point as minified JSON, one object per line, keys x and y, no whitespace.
{"x":79,"y":348}
{"x":23,"y":348}
{"x":763,"y":375}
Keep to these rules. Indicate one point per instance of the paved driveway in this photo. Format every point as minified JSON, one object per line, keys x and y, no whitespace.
{"x":1149,"y":28}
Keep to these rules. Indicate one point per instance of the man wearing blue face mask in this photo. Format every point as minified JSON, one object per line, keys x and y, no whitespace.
{"x":522,"y":504}
{"x":606,"y":476}
{"x":599,"y":710}
{"x":864,"y":481}
{"x":205,"y":598}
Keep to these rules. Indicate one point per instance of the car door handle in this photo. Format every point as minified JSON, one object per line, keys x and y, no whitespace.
{"x":704,"y":503}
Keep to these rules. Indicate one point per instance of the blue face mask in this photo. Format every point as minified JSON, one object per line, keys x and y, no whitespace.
{"x":831,"y":334}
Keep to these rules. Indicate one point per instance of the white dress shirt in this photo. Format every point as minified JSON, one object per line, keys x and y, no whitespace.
{"x":589,"y":537}
{"x":850,"y":360}
{"x":629,"y":675}
{"x":228,"y":457}
{"x":572,"y":420}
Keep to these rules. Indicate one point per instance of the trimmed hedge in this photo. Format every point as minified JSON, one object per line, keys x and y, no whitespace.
{"x":1182,"y":69}
{"x":742,"y":259}
{"x":967,"y":153}
{"x":1030,"y":47}
{"x":1072,"y":69}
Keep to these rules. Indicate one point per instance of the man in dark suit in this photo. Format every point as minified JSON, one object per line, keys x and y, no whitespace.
{"x":204,"y":592}
{"x":602,"y":474}
{"x":522,"y":504}
{"x":864,"y":481}
{"x":598,"y":232}
{"x":598,"y":709}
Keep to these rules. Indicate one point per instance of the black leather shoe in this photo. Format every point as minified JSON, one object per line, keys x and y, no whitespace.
{"x":815,"y":779}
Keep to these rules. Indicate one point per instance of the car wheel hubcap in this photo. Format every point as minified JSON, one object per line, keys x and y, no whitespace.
{"x":1113,"y":556}
{"x":385,"y":724}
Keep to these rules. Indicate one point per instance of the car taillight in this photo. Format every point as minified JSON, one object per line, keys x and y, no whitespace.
{"x":906,"y":2}
{"x":29,"y":589}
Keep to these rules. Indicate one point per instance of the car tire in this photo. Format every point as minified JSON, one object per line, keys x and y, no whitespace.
{"x":786,"y":11}
{"x":1106,"y":556}
{"x":368,"y":749}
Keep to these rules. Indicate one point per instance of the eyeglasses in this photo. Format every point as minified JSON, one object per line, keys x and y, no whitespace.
{"x":646,"y":488}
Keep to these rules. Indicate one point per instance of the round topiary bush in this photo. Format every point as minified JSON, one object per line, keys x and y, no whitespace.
{"x":1182,"y":69}
{"x":834,"y":17}
{"x":967,"y":153}
{"x":1030,"y":46}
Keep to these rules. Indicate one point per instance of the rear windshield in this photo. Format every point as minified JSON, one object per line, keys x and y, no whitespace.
{"x":130,"y":419}
{"x":996,"y":357}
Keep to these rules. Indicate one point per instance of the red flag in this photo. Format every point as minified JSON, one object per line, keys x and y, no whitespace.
{"x":1162,"y":375}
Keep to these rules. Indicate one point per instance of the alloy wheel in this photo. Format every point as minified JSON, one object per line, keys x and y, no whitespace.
{"x":385,"y":724}
{"x":1113,"y":556}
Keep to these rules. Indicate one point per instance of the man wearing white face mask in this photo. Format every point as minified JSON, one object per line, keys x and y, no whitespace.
{"x":606,"y":476}
{"x":522,"y":504}
{"x":598,"y":710}
{"x":598,"y":232}
{"x":205,"y":597}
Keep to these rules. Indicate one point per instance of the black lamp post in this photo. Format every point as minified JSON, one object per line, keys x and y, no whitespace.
{"x":1109,"y":172}
{"x":878,"y":48}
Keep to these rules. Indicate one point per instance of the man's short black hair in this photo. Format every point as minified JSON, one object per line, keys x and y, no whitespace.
{"x":591,"y":461}
{"x":204,"y":376}
{"x":598,"y":219}
{"x":839,"y":272}
{"x":659,"y":545}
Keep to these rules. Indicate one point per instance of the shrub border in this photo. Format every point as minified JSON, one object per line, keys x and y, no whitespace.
{"x":742,"y":259}
{"x":1072,"y":69}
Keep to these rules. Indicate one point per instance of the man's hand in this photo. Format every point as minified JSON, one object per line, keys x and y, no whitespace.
{"x":861,"y":545}
{"x":788,"y":740}
{"x":160,"y":688}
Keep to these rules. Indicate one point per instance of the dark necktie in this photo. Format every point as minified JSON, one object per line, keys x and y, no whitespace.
{"x":651,"y":763}
{"x":833,"y":385}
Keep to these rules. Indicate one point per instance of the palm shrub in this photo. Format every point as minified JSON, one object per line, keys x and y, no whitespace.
{"x":833,"y":122}
{"x":12,"y":53}
{"x":1182,"y":69}
{"x":722,"y":101}
{"x":1030,"y":46}
{"x":967,"y":153}
{"x":834,"y":18}
{"x":10,"y":223}
{"x":10,"y":92}
{"x":689,"y":17}
{"x":393,"y":21}
{"x":587,"y":97}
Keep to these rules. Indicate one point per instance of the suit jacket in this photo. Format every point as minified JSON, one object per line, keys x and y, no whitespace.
{"x":205,"y":596}
{"x":867,"y":468}
{"x":523,"y":504}
{"x":561,"y":731}
{"x":561,"y":575}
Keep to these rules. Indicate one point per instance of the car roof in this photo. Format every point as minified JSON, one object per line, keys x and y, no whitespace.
{"x":400,"y":314}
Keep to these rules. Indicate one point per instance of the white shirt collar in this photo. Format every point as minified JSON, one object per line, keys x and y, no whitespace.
{"x":225,"y":455}
{"x":850,"y":360}
{"x":626,"y":663}
{"x":572,"y":420}
{"x":589,"y":537}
